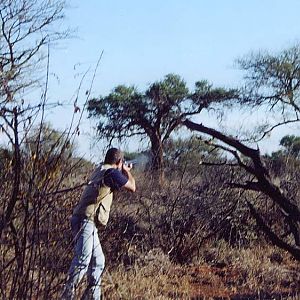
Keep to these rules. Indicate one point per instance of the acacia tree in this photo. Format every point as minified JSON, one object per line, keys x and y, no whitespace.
{"x":273,"y":82}
{"x":155,"y":113}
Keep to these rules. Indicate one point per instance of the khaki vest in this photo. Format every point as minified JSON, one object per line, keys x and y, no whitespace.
{"x":96,"y":208}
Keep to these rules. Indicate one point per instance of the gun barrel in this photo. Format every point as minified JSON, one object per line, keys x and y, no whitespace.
{"x":132,"y":161}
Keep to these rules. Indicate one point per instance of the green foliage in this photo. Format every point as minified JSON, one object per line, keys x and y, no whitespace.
{"x":279,"y":160}
{"x":205,"y":95}
{"x":126,"y":111}
{"x":291,"y":143}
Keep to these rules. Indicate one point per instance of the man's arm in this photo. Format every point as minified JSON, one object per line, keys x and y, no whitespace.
{"x":130,"y":184}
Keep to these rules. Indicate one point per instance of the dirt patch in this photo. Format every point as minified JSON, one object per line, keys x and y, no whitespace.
{"x":230,"y":283}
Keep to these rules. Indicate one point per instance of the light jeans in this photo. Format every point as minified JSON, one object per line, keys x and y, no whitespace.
{"x":89,"y":259}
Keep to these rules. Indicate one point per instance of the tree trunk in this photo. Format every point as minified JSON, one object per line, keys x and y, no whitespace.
{"x":157,"y":164}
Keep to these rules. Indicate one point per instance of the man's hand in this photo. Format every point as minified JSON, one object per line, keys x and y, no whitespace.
{"x":127,"y":168}
{"x":130,"y":185}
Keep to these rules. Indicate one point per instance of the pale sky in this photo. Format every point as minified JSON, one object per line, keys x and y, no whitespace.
{"x":145,"y":40}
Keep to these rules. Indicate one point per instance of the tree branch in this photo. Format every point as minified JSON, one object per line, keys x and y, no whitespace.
{"x":295,"y":251}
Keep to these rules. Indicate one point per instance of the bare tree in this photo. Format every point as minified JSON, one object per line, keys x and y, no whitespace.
{"x":33,"y":173}
{"x":26,"y":29}
{"x":272,"y":83}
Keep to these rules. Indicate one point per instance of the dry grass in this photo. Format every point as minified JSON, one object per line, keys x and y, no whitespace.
{"x":152,"y":278}
{"x":222,"y":272}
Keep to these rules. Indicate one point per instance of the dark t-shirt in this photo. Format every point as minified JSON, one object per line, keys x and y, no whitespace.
{"x":115,"y":179}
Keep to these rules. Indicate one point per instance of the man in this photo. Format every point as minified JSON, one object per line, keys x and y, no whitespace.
{"x":93,"y":209}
